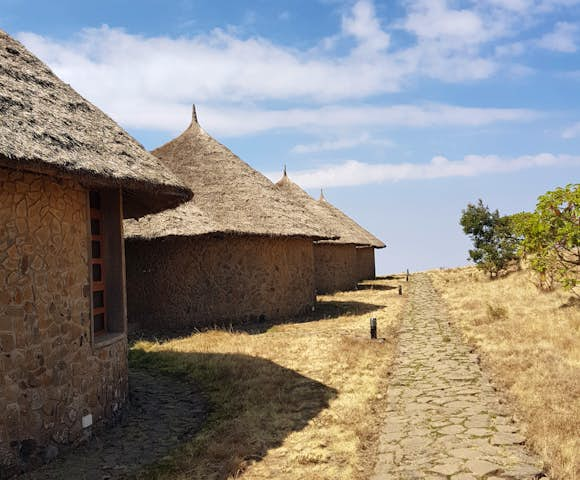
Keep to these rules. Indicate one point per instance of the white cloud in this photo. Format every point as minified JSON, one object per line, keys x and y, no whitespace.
{"x":433,"y":20}
{"x":150,"y":82}
{"x":353,"y":173}
{"x":562,"y":39}
{"x":341,"y":144}
{"x":572,"y":131}
{"x":219,"y":66}
{"x":112,"y":67}
{"x":363,"y":24}
{"x":238,"y":121}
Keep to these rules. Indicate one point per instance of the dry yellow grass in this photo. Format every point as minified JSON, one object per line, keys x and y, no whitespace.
{"x":299,"y":400}
{"x":530,"y":343}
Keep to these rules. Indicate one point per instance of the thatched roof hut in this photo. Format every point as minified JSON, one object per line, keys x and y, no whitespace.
{"x":342,"y":220}
{"x":367,"y":242}
{"x":347,"y":233}
{"x":237,"y":250}
{"x":336,"y":264}
{"x":234,"y":198}
{"x":47,"y":127}
{"x":66,"y":171}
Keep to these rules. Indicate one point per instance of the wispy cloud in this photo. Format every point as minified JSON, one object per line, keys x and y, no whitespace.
{"x":572,"y":131}
{"x":240,"y":121}
{"x":563,"y":39}
{"x":434,"y":20}
{"x":351,"y":173}
{"x":341,"y":144}
{"x":363,"y":25}
{"x":231,"y":121}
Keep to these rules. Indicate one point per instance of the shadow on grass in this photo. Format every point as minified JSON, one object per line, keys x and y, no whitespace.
{"x":372,"y":286}
{"x":254,"y":405}
{"x":323,"y":310}
{"x":572,"y":302}
{"x":400,"y":276}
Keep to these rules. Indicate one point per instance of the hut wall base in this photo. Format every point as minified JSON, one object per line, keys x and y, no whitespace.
{"x":335,"y":267}
{"x":184,"y":282}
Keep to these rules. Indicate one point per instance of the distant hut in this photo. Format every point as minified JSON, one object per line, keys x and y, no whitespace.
{"x":362,"y":259}
{"x":335,"y":260}
{"x":236,"y":252}
{"x":68,"y":175}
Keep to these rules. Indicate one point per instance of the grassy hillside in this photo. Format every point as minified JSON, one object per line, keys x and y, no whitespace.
{"x":530,"y":342}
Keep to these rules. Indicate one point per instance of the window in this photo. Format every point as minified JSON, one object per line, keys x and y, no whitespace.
{"x":97,"y":265}
{"x":106,"y":267}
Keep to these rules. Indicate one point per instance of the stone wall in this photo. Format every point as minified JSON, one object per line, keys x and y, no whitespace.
{"x":365,"y":259}
{"x":51,"y":375}
{"x":190,"y":282}
{"x":335,"y":267}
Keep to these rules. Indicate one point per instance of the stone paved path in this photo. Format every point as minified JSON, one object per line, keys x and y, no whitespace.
{"x":163,"y":413}
{"x":444,"y":419}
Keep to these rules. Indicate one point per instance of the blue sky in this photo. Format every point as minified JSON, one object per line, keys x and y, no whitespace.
{"x":403,"y":111}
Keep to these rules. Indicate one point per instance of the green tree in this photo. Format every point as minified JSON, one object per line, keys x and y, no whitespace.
{"x":494,"y":242}
{"x":551,"y":238}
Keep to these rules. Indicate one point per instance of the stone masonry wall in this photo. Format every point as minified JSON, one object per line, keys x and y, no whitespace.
{"x":50,"y":373}
{"x":335,"y":267}
{"x":365,"y":259}
{"x":192,"y":282}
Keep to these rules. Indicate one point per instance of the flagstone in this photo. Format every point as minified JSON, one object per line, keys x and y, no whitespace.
{"x":445,"y":420}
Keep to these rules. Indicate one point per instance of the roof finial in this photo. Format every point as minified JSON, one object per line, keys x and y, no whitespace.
{"x":322,"y":199}
{"x":194,"y":115}
{"x":285,"y":174}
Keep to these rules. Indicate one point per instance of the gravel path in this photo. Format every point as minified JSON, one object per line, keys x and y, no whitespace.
{"x":444,"y":419}
{"x":163,"y":413}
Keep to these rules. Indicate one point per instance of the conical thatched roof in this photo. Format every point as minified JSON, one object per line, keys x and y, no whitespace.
{"x":47,"y":127}
{"x":348,"y":223}
{"x":347,"y":232}
{"x":234,"y":198}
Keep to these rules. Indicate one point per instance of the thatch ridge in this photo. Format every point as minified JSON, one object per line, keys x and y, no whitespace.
{"x":47,"y":127}
{"x":234,"y":198}
{"x":343,"y":219}
{"x":346,"y":232}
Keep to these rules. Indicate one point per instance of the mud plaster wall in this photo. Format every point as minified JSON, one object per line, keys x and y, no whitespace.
{"x":188,"y":282}
{"x":50,"y":374}
{"x":335,"y":267}
{"x":365,"y":259}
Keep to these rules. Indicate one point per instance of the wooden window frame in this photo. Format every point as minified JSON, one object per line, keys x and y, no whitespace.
{"x":98,"y":286}
{"x":108,"y":214}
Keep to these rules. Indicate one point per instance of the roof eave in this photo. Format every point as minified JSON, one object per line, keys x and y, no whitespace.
{"x":141,"y":197}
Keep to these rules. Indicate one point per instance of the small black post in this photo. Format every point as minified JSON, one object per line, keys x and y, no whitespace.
{"x":373,"y":327}
{"x":400,"y":290}
{"x":407,"y":274}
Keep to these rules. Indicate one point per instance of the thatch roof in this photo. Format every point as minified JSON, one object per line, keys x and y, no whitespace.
{"x":234,"y":198}
{"x":347,"y":232}
{"x":47,"y":127}
{"x":364,"y":236}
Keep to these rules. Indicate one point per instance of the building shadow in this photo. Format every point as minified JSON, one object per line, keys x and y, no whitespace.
{"x":255,"y":404}
{"x":397,"y":276}
{"x":323,"y":310}
{"x":207,"y":414}
{"x":373,"y":286}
